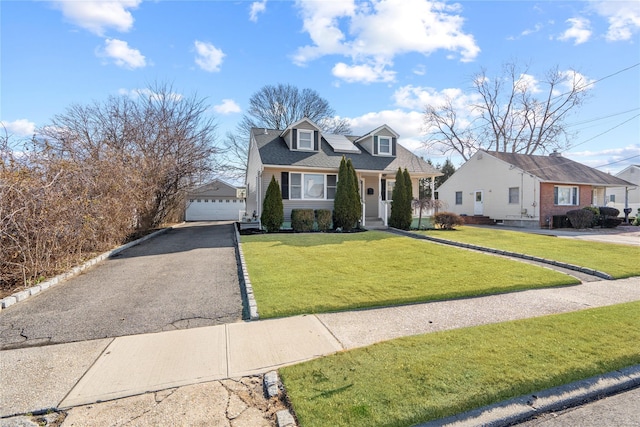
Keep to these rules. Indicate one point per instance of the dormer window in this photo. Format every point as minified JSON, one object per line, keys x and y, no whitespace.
{"x":305,"y":140}
{"x":384,"y":146}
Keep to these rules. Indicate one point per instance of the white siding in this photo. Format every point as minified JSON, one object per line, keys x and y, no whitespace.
{"x":494,"y":177}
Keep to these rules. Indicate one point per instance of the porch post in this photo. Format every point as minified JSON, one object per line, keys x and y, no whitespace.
{"x":432,"y":184}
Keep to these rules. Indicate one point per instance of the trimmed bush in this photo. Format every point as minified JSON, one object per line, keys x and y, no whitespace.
{"x":580,"y":218}
{"x":561,"y":221}
{"x":323,"y":218}
{"x":609,"y":217}
{"x":608,"y":211}
{"x":596,"y":214}
{"x":272,"y":209}
{"x":302,"y":220}
{"x":447,"y":220}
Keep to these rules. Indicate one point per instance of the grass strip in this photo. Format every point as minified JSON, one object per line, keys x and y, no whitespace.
{"x":321,"y":272}
{"x":619,"y":261}
{"x":417,"y":379}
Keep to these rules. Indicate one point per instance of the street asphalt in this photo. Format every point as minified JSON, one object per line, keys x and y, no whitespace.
{"x":184,"y":278}
{"x":155,"y":334}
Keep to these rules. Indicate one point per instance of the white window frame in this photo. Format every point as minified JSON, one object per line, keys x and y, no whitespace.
{"x":391,"y":184}
{"x":388,"y":144}
{"x":308,"y":135}
{"x":574,"y":195}
{"x":296,"y":189}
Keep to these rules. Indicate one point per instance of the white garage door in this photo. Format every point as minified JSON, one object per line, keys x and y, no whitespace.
{"x":214,"y":209}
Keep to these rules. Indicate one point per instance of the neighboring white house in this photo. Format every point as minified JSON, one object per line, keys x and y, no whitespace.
{"x":305,"y":162}
{"x":617,"y":195}
{"x":524,"y":190}
{"x":215,"y":201}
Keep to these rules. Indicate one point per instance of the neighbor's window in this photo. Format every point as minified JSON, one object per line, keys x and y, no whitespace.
{"x":305,"y":140}
{"x":612,"y":198}
{"x":312,"y":186}
{"x":384,"y":145}
{"x":514,"y":195}
{"x":458,"y":197}
{"x":565,"y":195}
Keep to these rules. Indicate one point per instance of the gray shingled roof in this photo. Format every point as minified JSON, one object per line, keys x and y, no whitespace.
{"x":274,"y":151}
{"x":559,"y":169}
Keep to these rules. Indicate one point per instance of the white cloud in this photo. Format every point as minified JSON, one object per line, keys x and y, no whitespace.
{"x":257,"y":7}
{"x":363,"y":73}
{"x":407,"y":123}
{"x":98,"y":16}
{"x":578,"y":31}
{"x":228,"y":106}
{"x":417,"y":98}
{"x":208,"y":57}
{"x":120,"y":52}
{"x":20,"y":127}
{"x":527,"y":83}
{"x":610,"y":160}
{"x":371,"y":34}
{"x":623,"y":18}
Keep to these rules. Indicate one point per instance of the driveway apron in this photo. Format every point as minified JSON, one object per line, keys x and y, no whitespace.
{"x":185,"y":278}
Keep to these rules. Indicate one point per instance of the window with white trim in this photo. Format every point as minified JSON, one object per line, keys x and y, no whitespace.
{"x":564,"y":195}
{"x":390,"y":186}
{"x":514,"y":195}
{"x":305,"y":140}
{"x":458,"y":197}
{"x":312,"y":186}
{"x":384,"y":145}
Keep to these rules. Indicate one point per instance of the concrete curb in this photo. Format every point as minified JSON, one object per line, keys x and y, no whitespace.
{"x":22,"y":295}
{"x":245,"y":281}
{"x":568,"y":266}
{"x":523,"y":408}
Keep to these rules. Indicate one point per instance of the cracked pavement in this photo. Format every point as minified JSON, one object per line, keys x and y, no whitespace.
{"x":185,"y":278}
{"x":226,"y":403}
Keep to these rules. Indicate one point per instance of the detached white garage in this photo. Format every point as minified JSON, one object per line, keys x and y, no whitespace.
{"x":215,"y":201}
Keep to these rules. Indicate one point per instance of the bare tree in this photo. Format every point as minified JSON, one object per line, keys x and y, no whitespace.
{"x":277,"y":107}
{"x":512,"y":113}
{"x":167,"y":141}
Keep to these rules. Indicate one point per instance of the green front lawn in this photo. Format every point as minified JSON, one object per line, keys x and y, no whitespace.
{"x":417,"y":379}
{"x":617,"y":260}
{"x":320,"y":272}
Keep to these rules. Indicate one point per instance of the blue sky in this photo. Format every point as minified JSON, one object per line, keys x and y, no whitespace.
{"x":376,"y":62}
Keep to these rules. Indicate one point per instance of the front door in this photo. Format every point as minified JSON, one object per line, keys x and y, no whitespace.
{"x":478,"y":205}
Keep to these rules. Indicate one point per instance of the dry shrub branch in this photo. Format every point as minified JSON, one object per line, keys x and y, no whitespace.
{"x":95,"y":176}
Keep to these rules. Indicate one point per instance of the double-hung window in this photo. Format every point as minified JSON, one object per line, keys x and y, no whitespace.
{"x":458,"y":197}
{"x":312,"y":186}
{"x":384,"y":145}
{"x":565,"y":195}
{"x":305,"y":140}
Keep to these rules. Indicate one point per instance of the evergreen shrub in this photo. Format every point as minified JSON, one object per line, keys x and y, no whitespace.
{"x":580,"y":218}
{"x":302,"y":220}
{"x":272,"y":209}
{"x":323,"y":218}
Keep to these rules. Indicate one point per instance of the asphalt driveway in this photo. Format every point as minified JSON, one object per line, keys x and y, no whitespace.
{"x":185,"y":278}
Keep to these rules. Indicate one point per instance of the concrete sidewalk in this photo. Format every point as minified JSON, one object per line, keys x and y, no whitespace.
{"x":67,"y":375}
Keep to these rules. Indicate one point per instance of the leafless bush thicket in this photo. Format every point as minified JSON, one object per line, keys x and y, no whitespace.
{"x":96,"y":175}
